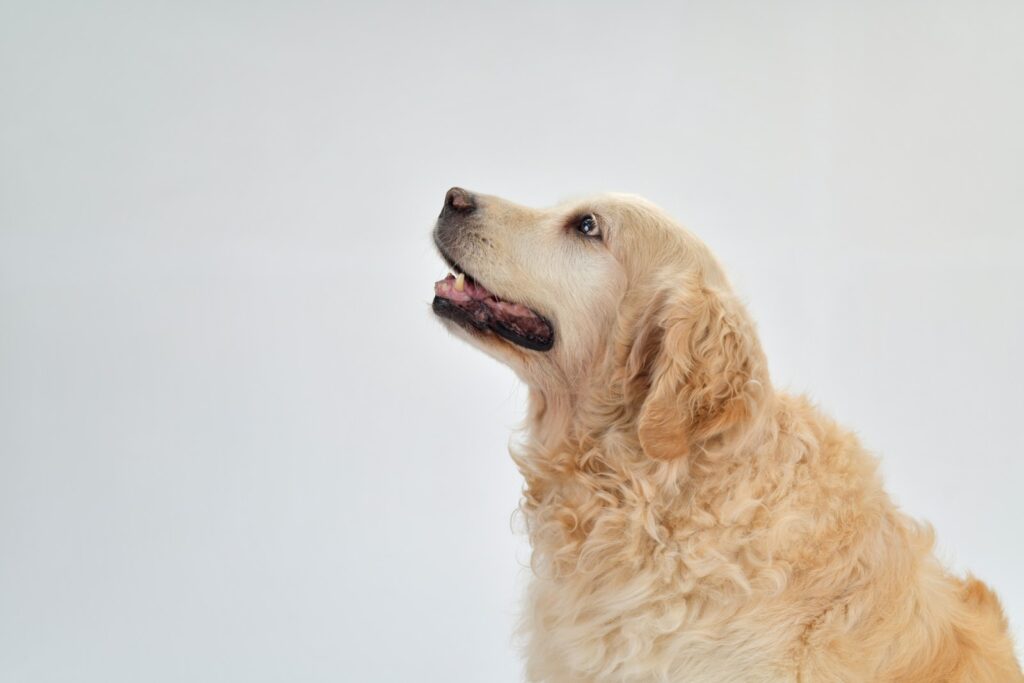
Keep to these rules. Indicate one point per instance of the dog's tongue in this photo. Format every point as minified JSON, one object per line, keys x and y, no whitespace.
{"x":462,"y":290}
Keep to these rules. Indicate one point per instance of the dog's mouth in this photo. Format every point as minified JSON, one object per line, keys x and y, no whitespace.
{"x":463,"y":300}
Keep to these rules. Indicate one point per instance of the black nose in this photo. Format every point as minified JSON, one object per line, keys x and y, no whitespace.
{"x":459,"y":201}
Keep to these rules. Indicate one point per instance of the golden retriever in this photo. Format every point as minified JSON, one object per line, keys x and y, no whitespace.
{"x":688,"y":521}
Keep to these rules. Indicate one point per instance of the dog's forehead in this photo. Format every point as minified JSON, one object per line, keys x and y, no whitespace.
{"x":624,"y":208}
{"x":607,"y":201}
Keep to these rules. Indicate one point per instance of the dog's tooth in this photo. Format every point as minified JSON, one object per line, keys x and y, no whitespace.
{"x":460,"y":282}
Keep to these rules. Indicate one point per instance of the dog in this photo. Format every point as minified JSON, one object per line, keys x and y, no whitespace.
{"x":688,"y":521}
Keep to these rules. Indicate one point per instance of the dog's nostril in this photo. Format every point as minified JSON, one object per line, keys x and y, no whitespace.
{"x":460,"y":200}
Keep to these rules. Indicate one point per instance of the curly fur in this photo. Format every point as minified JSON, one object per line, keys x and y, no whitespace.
{"x":688,"y":521}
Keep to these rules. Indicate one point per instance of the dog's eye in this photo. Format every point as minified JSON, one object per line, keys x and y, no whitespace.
{"x":588,"y":226}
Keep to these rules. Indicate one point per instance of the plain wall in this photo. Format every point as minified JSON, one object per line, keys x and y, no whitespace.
{"x":234,"y":444}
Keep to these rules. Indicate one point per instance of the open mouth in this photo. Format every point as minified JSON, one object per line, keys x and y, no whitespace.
{"x":465,"y":301}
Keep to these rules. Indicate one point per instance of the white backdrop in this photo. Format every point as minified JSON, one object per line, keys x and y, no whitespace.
{"x":234,"y":444}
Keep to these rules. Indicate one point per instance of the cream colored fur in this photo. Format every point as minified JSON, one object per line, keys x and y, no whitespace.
{"x":689,"y":522}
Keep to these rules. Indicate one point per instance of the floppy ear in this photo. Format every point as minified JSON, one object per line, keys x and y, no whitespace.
{"x":706,"y":375}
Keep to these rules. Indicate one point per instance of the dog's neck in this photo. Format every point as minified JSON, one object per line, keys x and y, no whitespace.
{"x":571,"y":413}
{"x":598,"y":415}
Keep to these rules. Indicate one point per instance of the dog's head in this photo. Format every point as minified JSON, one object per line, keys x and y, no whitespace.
{"x":605,"y":299}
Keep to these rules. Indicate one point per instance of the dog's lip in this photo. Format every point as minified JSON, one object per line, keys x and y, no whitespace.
{"x":477,"y":308}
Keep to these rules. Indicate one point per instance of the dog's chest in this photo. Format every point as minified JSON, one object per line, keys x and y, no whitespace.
{"x":631,"y":638}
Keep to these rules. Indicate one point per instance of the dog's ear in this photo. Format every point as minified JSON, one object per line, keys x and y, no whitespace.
{"x":703,"y":369}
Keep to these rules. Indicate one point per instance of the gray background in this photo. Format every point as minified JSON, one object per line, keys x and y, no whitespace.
{"x":235,"y":446}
